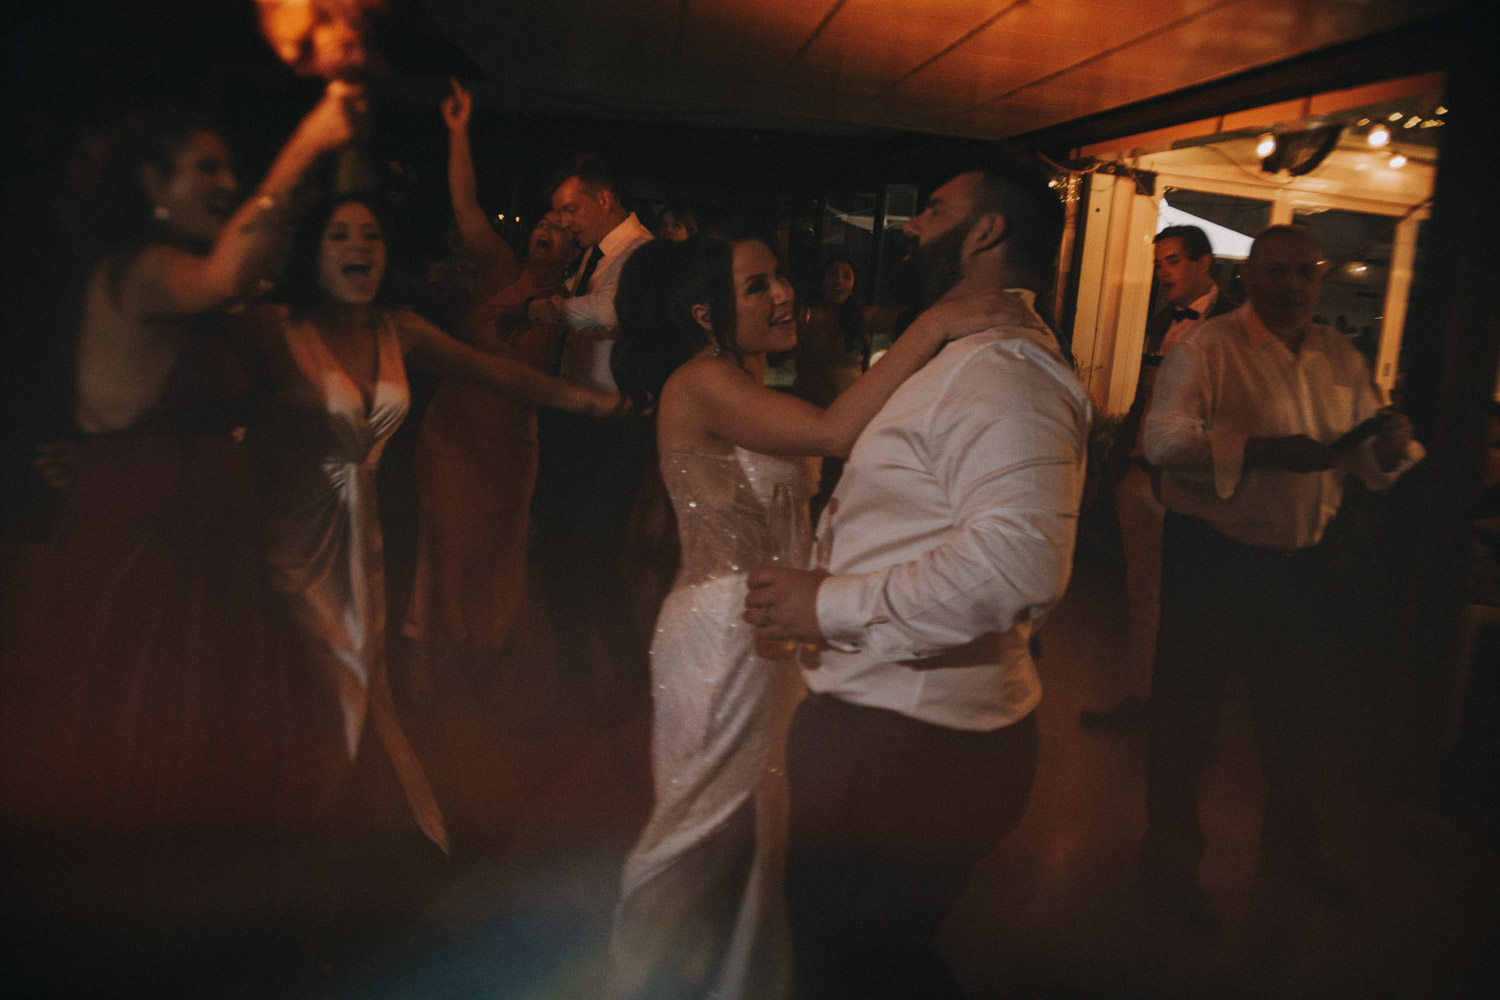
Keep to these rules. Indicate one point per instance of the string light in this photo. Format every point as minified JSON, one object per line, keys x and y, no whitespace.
{"x":1379,"y":136}
{"x":1266,"y":147}
{"x":1396,"y":162}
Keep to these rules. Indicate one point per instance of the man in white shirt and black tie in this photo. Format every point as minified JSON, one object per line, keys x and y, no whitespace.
{"x":588,"y":207}
{"x":1257,"y":418}
{"x":590,"y":470}
{"x":948,"y":540}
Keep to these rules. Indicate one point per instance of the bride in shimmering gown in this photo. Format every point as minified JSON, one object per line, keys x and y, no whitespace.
{"x":700,"y":912}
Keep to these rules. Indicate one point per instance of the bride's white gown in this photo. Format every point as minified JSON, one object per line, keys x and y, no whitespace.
{"x":700,"y":913}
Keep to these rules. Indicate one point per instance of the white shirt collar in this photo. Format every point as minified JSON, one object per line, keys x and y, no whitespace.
{"x":619,"y":235}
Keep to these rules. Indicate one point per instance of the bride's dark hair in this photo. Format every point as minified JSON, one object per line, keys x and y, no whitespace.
{"x":659,"y":286}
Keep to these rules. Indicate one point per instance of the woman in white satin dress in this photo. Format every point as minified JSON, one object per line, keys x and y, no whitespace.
{"x":700,"y":907}
{"x":337,"y":360}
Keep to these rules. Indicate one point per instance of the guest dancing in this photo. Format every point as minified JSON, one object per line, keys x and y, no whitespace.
{"x":174,"y":703}
{"x":477,"y":452}
{"x":699,"y":911}
{"x":337,"y":354}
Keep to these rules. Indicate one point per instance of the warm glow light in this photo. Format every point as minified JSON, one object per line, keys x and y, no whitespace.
{"x":1440,"y":111}
{"x":1411,"y":122}
{"x":1394,"y":116}
{"x":320,"y":37}
{"x":1396,"y":162}
{"x":1357,"y":268}
{"x":1379,"y":136}
{"x":1266,"y":147}
{"x":1362,"y":123}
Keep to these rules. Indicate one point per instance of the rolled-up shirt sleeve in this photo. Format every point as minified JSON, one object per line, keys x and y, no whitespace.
{"x":1010,"y":460}
{"x":1179,"y":436}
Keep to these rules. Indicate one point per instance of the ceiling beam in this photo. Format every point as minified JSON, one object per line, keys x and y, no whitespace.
{"x":1420,"y":47}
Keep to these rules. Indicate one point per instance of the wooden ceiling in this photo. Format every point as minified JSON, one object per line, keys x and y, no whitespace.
{"x":986,"y":69}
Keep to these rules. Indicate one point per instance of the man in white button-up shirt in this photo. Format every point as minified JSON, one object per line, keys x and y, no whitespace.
{"x":948,"y":540}
{"x":1250,"y":425}
{"x":590,"y":471}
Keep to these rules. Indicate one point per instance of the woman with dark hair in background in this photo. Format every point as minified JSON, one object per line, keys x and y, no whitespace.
{"x":832,"y":348}
{"x":172,"y":699}
{"x":831,"y":342}
{"x":337,"y":359}
{"x":699,"y":912}
{"x":676,"y":224}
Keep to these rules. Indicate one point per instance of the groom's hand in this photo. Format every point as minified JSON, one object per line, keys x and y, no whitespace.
{"x":783,"y":603}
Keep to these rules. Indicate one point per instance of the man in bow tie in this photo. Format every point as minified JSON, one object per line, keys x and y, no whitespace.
{"x":1184,"y":263}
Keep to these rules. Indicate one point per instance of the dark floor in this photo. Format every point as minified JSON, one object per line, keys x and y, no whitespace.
{"x":543,"y":810}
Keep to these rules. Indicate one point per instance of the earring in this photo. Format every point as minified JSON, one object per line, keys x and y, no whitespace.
{"x":161,"y":213}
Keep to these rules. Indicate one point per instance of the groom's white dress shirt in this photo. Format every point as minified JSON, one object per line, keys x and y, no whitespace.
{"x":951,"y":533}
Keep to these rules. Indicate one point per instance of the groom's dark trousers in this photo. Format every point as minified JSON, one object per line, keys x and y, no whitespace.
{"x":889,"y":815}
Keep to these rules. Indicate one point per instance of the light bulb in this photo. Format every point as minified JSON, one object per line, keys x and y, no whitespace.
{"x":1396,"y":162}
{"x":1379,"y":136}
{"x":1266,"y":147}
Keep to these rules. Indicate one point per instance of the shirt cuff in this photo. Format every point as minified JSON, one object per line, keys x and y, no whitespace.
{"x":840,"y":618}
{"x":1228,"y":449}
{"x":1363,"y":464}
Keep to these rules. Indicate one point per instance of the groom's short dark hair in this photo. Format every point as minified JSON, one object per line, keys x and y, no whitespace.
{"x":1033,"y":212}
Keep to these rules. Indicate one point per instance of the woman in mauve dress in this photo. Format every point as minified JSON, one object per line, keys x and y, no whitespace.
{"x":477,"y":450}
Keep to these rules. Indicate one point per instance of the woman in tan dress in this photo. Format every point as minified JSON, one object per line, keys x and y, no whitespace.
{"x":477,"y":451}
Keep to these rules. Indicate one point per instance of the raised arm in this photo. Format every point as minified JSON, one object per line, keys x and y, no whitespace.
{"x":165,"y":282}
{"x":497,"y":261}
{"x":430,"y":348}
{"x":735,"y":407}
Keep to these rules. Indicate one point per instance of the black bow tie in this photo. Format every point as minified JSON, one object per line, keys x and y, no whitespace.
{"x":1178,"y":315}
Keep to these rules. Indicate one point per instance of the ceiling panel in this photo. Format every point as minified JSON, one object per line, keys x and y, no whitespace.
{"x":980,"y":68}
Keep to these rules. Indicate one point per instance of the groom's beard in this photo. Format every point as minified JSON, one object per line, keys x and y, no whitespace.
{"x":940,"y":263}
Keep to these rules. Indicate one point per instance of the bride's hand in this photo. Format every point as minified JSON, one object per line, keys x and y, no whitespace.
{"x":962,"y":311}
